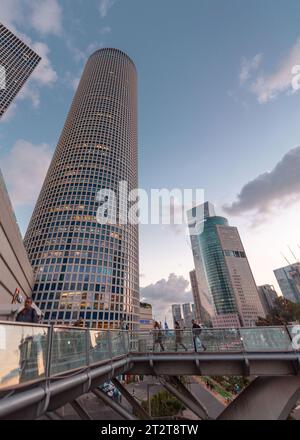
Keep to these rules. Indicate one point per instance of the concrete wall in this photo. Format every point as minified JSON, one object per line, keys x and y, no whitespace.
{"x":15,"y":269}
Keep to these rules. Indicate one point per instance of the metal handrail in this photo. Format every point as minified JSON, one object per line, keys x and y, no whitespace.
{"x":60,"y":354}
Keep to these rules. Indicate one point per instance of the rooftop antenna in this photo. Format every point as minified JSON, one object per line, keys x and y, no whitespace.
{"x":296,"y":259}
{"x":285,"y":259}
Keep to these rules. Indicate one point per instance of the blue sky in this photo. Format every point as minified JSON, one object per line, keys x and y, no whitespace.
{"x":216,"y":111}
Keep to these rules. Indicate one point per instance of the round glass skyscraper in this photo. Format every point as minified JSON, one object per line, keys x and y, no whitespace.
{"x":85,"y":269}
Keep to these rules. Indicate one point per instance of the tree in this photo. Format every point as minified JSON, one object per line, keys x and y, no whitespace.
{"x":283,"y":313}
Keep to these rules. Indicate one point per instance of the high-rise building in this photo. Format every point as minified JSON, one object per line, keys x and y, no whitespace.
{"x":16,"y":274}
{"x":223,"y":266}
{"x":288,"y":278}
{"x":86,"y":269}
{"x":187,"y":315}
{"x":202,"y":296}
{"x":146,"y":317}
{"x":268,"y":296}
{"x":17,"y":62}
{"x":176,"y":313}
{"x":193,"y":310}
{"x":199,"y":313}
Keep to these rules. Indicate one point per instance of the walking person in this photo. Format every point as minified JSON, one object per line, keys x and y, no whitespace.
{"x":157,"y":336}
{"x":28,"y":314}
{"x":178,"y":336}
{"x":197,"y":340}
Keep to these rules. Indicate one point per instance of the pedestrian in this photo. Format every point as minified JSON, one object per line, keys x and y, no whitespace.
{"x":28,"y":313}
{"x":178,"y":336}
{"x":157,"y":336}
{"x":124,"y":325}
{"x":197,"y":340}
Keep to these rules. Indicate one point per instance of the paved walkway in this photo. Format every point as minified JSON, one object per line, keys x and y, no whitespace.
{"x":99,"y":411}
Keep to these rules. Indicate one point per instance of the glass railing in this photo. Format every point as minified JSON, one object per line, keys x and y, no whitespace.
{"x":274,"y":339}
{"x":23,"y":353}
{"x":68,"y":349}
{"x":99,"y":346}
{"x":34,"y":352}
{"x":294,"y":332}
{"x":218,"y":340}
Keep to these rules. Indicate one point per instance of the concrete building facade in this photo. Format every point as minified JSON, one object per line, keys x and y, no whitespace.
{"x":16,"y":274}
{"x":146,"y":317}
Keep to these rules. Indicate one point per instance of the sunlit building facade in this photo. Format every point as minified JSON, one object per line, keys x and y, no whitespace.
{"x":16,"y":274}
{"x":86,"y":269}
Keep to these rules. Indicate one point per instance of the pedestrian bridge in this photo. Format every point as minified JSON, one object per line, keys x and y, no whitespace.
{"x":44,"y":367}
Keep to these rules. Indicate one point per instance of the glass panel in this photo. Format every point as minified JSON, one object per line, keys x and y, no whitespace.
{"x":22,"y":353}
{"x":119,"y":342}
{"x":99,"y":346}
{"x":266,"y":339}
{"x":216,"y":340}
{"x":173,"y":340}
{"x":141,"y":342}
{"x":294,"y":331}
{"x":68,"y":349}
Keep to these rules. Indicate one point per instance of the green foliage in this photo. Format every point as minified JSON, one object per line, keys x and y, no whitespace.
{"x":163,"y":404}
{"x":283,"y":313}
{"x":226,"y":385}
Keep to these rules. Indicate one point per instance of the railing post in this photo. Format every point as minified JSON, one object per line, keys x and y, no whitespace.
{"x":87,"y":346}
{"x":242,"y":340}
{"x":49,"y":351}
{"x":109,"y":344}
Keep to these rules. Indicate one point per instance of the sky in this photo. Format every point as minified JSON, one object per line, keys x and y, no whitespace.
{"x":217,"y":111}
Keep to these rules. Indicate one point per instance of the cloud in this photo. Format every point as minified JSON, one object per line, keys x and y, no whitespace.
{"x":105,"y":6}
{"x":164,"y":293}
{"x":44,"y":74}
{"x":265,"y":192}
{"x":268,"y":87}
{"x":71,"y":80}
{"x":24,"y":169}
{"x":248,"y":66}
{"x":10,"y":112}
{"x":82,"y":55}
{"x":46,"y":16}
{"x":11,"y":12}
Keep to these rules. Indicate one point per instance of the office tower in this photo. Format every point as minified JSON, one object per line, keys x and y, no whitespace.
{"x":268,"y":296}
{"x":187,"y":315}
{"x":202,"y":296}
{"x":199,"y":313}
{"x":86,"y":269}
{"x":17,"y":62}
{"x":288,"y":278}
{"x":146,"y":318}
{"x":176,"y":313}
{"x":219,"y":252}
{"x":16,"y":274}
{"x":193,"y":310}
